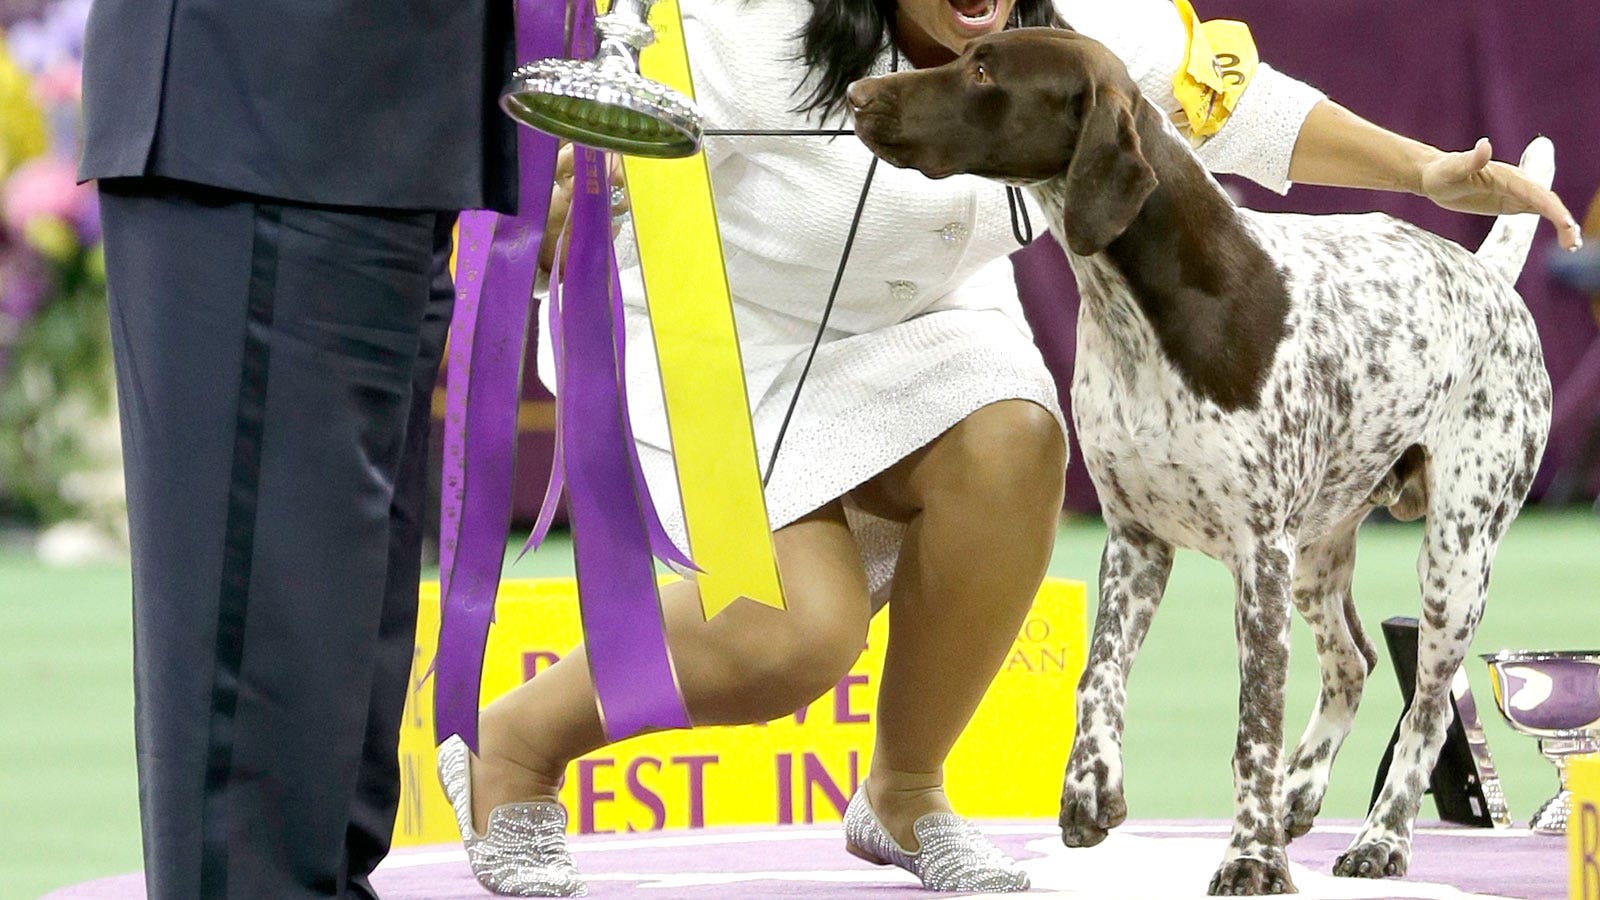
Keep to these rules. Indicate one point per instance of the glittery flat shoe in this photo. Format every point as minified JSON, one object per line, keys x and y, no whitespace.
{"x":524,"y":852}
{"x":953,"y":856}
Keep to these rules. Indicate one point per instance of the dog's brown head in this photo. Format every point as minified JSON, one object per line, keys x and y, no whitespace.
{"x":1020,"y":106}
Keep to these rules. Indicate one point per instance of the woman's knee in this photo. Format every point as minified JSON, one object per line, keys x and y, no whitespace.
{"x":1013,"y":451}
{"x":809,"y":646}
{"x":795,"y":658}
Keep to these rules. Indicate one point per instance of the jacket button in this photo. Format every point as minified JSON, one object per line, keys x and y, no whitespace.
{"x":902,"y":291}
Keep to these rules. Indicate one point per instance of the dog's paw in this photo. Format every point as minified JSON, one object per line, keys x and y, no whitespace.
{"x":1246,"y":877}
{"x":1089,"y":810}
{"x":1372,"y":859}
{"x":1300,"y":810}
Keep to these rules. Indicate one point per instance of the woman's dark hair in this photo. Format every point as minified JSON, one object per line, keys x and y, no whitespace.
{"x":843,"y":38}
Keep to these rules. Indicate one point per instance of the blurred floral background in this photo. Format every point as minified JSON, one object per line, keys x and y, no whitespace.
{"x":60,"y":461}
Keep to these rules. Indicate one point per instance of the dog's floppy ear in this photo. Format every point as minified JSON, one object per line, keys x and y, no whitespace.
{"x":1108,"y":178}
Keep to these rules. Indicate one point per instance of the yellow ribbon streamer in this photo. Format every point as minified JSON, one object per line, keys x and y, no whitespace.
{"x":1218,"y":65}
{"x":702,"y":375}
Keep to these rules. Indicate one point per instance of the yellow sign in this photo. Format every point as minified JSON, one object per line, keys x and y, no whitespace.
{"x":1583,"y":827}
{"x":702,"y":376}
{"x":802,"y":768}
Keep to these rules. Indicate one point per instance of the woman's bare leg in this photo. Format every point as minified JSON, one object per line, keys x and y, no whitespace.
{"x":981,"y":504}
{"x":751,"y":663}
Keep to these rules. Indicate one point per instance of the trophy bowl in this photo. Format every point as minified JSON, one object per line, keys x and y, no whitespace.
{"x":604,"y":102}
{"x":1553,"y":696}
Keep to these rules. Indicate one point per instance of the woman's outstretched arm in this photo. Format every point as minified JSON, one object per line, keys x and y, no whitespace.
{"x":1338,"y":147}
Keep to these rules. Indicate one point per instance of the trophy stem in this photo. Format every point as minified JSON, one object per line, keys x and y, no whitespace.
{"x":624,"y":32}
{"x":635,"y":10}
{"x":1552,"y":816}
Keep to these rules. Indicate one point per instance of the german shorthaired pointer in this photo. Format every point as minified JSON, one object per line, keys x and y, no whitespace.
{"x":1251,"y":386}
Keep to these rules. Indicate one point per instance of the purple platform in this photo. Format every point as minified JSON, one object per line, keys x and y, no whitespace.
{"x":1141,"y":859}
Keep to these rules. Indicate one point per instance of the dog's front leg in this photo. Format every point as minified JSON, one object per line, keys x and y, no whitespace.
{"x":1133,"y":574}
{"x":1255,"y":862}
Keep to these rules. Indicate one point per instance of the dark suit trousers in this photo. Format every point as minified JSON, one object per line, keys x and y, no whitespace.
{"x":275,"y":364}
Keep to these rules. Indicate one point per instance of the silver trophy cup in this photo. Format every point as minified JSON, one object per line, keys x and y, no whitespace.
{"x":605,"y":102}
{"x":1553,"y":696}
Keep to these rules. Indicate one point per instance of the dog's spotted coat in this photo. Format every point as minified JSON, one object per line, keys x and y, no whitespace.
{"x":1394,"y":338}
{"x":1251,"y":386}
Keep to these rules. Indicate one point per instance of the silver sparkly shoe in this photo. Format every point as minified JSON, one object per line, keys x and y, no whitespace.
{"x":524,"y":852}
{"x":954,"y":855}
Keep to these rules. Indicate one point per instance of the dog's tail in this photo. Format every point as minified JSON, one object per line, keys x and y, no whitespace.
{"x":1505,"y":250}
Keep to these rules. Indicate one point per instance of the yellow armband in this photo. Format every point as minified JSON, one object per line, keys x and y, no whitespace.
{"x":1218,"y":65}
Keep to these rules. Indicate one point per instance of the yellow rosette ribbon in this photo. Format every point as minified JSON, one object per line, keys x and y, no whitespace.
{"x":1218,"y":65}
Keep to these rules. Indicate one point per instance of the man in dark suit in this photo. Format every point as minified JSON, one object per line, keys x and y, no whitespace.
{"x":279,"y":181}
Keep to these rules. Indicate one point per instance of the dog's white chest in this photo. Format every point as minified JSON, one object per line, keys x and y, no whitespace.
{"x":1157,"y":453}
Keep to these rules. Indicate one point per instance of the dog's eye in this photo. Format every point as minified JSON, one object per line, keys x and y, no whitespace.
{"x":980,"y":74}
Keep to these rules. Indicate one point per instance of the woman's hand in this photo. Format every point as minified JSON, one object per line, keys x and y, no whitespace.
{"x":1472,"y":182}
{"x":1339,"y":148}
{"x":561,"y":202}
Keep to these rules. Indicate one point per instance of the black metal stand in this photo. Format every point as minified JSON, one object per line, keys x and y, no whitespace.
{"x":1464,"y":784}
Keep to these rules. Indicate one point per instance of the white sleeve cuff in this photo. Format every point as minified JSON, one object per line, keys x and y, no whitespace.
{"x":1258,"y":140}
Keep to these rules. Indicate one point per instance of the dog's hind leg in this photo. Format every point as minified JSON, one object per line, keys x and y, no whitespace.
{"x":1133,"y":575}
{"x":1322,"y":595}
{"x":1255,"y":862}
{"x":1465,"y":524}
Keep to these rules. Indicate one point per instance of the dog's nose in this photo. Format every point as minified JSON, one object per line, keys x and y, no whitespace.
{"x":860,"y":94}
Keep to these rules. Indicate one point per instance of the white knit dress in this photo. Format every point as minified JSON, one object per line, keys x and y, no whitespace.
{"x":927,"y":327}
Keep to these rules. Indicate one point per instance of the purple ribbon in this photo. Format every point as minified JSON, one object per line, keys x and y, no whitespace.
{"x":558,"y":479}
{"x":662,"y":546}
{"x":622,"y":624}
{"x":616,"y":530}
{"x":489,"y":333}
{"x":472,"y":257}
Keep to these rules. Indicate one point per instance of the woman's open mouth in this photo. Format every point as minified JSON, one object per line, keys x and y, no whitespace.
{"x":974,"y":18}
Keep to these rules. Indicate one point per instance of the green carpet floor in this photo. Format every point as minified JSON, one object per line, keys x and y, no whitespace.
{"x":68,"y":797}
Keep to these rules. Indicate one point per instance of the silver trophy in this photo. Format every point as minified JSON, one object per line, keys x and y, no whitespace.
{"x":605,"y":102}
{"x":1553,"y":696}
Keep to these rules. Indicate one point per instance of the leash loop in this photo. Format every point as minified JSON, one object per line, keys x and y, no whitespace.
{"x":1021,"y":225}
